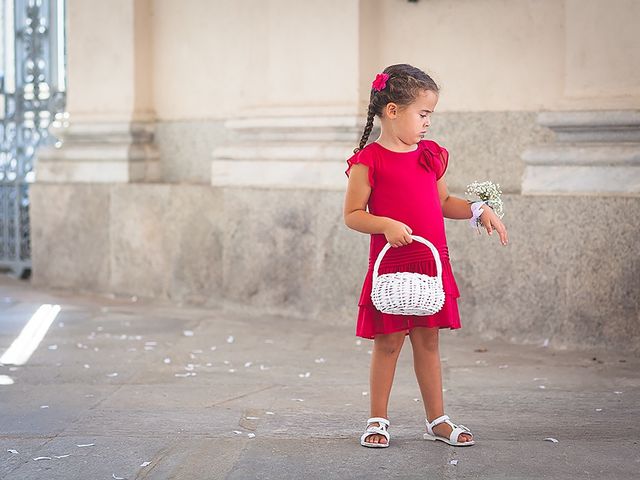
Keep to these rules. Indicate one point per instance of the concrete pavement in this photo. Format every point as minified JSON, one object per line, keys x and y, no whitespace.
{"x":221,"y":394}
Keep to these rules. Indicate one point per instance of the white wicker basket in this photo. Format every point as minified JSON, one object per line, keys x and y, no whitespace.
{"x":408,"y":293}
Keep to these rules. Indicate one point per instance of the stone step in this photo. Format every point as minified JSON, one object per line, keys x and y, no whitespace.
{"x":294,"y":174}
{"x":286,"y":151}
{"x":596,"y":153}
{"x":593,"y":126}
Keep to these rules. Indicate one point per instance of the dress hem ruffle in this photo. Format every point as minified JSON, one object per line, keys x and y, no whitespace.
{"x":372,"y":322}
{"x":407,"y":330}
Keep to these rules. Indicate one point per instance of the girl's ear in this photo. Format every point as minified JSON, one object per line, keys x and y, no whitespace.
{"x":391,"y":110}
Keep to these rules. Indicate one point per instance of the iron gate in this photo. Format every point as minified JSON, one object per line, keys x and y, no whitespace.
{"x":32,"y":97}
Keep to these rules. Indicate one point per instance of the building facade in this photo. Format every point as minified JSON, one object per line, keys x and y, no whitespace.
{"x":207,"y":141}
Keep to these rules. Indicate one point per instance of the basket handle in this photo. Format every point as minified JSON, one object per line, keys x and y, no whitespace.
{"x":420,"y":239}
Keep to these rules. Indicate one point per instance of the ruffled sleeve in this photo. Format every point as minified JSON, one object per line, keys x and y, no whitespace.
{"x":434,"y":157}
{"x":365,"y":157}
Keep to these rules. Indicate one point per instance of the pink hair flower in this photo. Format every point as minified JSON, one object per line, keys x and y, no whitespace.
{"x":380,"y":82}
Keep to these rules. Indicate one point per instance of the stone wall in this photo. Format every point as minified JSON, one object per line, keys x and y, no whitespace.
{"x":571,"y":272}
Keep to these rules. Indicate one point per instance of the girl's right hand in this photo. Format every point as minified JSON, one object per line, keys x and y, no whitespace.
{"x":398,"y":234}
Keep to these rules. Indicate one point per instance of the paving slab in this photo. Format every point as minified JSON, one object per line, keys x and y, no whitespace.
{"x":203,"y":393}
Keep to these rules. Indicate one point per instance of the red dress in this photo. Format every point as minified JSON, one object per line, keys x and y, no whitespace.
{"x":403,"y":187}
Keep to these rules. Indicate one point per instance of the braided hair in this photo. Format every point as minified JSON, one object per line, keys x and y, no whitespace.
{"x":402,"y":88}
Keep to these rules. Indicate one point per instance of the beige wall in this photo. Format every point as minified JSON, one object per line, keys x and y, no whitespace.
{"x":602,"y":56}
{"x":143,"y":101}
{"x":486,"y":55}
{"x":492,"y":55}
{"x":109,"y":71}
{"x":216,"y":58}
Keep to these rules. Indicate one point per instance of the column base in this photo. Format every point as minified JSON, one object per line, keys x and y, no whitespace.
{"x":595,"y":153}
{"x":292,"y":151}
{"x":101,"y":152}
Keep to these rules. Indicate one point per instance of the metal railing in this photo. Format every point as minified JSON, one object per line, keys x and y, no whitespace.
{"x":32,"y":97}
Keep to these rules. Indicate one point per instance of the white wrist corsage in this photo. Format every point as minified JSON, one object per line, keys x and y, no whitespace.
{"x":489,"y":194}
{"x":476,"y":211}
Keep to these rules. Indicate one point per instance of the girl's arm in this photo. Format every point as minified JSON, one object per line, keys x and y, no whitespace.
{"x":355,"y":204}
{"x":459,"y":208}
{"x":452,"y":207}
{"x":357,"y":218}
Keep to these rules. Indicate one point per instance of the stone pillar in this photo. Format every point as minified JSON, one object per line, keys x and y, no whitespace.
{"x":311,"y":115}
{"x":109,"y":136}
{"x":597,"y":121}
{"x":287,"y":151}
{"x":595,"y":152}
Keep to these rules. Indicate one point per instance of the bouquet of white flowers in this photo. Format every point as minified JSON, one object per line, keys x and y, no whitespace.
{"x":489,"y":193}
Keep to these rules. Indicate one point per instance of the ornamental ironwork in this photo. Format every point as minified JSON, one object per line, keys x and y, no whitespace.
{"x":32,"y":98}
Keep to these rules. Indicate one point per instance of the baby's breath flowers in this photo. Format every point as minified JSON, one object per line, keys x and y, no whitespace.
{"x":488,"y":192}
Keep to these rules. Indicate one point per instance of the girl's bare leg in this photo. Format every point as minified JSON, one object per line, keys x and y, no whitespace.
{"x":426,"y":363}
{"x":386,"y":349}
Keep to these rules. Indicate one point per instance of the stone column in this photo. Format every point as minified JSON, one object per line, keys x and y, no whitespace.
{"x":109,"y":136}
{"x":312,"y":112}
{"x":595,"y":152}
{"x":597,"y":123}
{"x":287,"y":151}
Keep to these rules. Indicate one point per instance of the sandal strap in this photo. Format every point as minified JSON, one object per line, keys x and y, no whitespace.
{"x":379,"y":420}
{"x":437,"y":421}
{"x":457,"y":431}
{"x":378,"y":430}
{"x":374,"y":430}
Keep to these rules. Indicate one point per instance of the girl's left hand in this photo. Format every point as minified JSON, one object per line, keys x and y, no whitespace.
{"x":492,"y":222}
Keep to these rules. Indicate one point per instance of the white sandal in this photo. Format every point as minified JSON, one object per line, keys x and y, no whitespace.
{"x":455,"y":433}
{"x":381,"y":430}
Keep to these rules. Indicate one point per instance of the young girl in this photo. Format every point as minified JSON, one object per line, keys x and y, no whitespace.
{"x":399,"y":177}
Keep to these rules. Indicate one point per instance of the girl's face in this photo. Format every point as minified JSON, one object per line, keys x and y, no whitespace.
{"x":410,"y":124}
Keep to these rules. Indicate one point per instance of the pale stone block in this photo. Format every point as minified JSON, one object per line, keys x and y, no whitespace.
{"x":167,"y":241}
{"x":267,"y":153}
{"x":286,"y":152}
{"x":100,"y":152}
{"x":593,"y":125}
{"x":185,"y":149}
{"x":82,"y":172}
{"x":595,"y":152}
{"x":71,"y":235}
{"x":591,"y":154}
{"x":587,"y":180}
{"x":278,"y":174}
